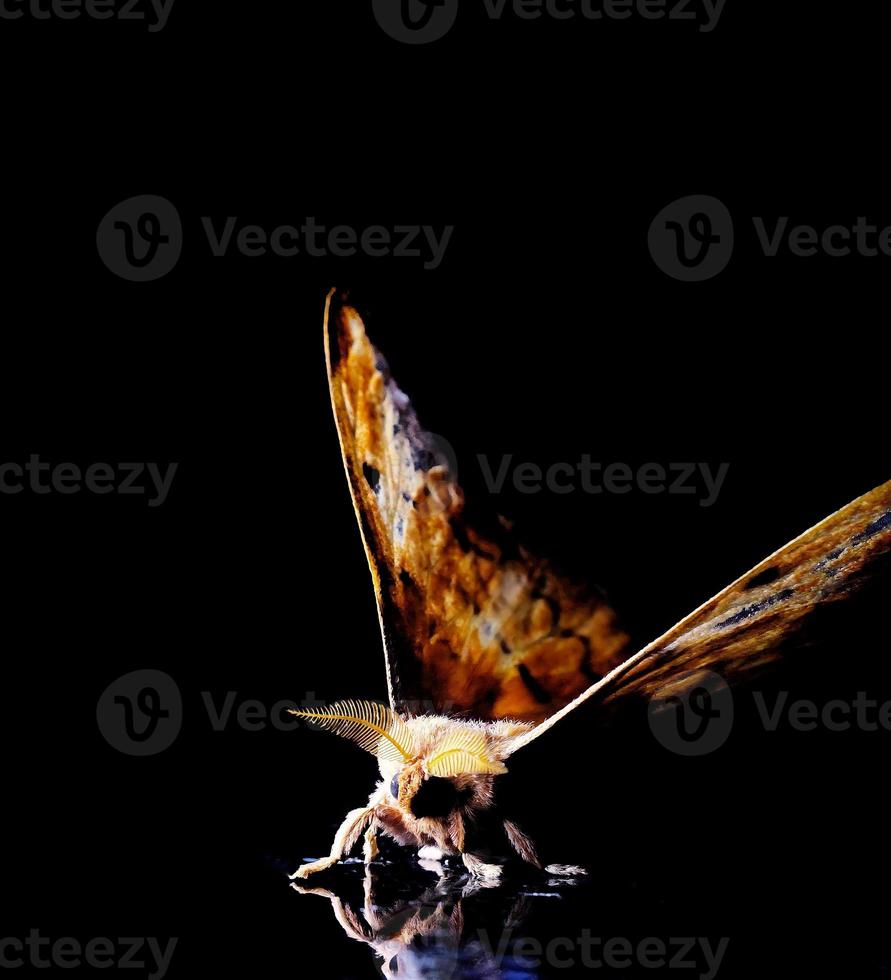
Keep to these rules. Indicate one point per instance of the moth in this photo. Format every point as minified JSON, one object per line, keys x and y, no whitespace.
{"x":487,"y":648}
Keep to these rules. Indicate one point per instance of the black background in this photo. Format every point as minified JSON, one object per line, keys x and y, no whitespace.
{"x":547,"y":332}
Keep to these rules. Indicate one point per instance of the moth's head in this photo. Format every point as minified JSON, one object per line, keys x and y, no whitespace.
{"x":431,"y":765}
{"x":414,"y":790}
{"x":455,"y":766}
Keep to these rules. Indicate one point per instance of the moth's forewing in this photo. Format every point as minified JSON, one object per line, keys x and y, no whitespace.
{"x":764,"y":613}
{"x":471,"y":625}
{"x":752,"y":622}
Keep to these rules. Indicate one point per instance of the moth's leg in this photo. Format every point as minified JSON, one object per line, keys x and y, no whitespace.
{"x":488,"y":875}
{"x":521,"y":843}
{"x":370,"y":850}
{"x":526,"y":849}
{"x":450,"y":841}
{"x":344,"y":841}
{"x":456,"y":831}
{"x":566,"y":870}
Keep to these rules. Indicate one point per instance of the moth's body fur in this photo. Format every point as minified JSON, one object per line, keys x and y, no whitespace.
{"x":479,"y":627}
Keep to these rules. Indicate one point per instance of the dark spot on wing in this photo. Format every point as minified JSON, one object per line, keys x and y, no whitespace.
{"x":422,"y":459}
{"x":763,"y":578}
{"x":830,"y":557}
{"x":406,"y":579}
{"x":535,"y":689}
{"x":749,"y":611}
{"x":505,"y":649}
{"x":585,"y":667}
{"x":504,"y":540}
{"x":464,"y":542}
{"x":843,"y":587}
{"x":372,"y":476}
{"x":406,"y":497}
{"x":554,"y":607}
{"x":385,"y":576}
{"x":878,"y":525}
{"x":461,"y":536}
{"x":367,"y":531}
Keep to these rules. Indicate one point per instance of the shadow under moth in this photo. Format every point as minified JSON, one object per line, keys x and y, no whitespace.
{"x":487,"y":647}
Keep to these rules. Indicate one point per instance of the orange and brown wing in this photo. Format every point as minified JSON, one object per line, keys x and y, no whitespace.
{"x":471,"y":625}
{"x":761,"y":615}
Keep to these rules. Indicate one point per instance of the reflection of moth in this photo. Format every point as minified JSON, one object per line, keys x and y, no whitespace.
{"x":475,"y":627}
{"x":425,"y":936}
